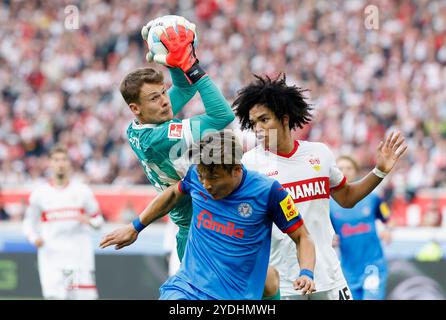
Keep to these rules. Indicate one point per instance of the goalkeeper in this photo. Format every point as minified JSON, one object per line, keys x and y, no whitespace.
{"x":158,"y":139}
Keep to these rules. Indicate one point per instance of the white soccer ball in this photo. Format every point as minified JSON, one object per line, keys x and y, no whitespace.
{"x":154,"y":42}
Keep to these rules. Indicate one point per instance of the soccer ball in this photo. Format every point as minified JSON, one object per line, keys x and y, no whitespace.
{"x":154,"y":42}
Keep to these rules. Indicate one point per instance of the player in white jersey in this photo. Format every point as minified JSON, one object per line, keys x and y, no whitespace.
{"x":59,"y":222}
{"x":307,"y":170}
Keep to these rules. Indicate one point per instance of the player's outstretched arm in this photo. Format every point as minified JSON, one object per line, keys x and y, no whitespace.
{"x":159,"y":207}
{"x":389,"y":152}
{"x":306,"y":256}
{"x":218,"y":111}
{"x":93,"y":217}
{"x":288,"y":219}
{"x":181,"y":91}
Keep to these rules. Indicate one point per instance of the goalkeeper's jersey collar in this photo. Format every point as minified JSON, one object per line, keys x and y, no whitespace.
{"x":136,"y":125}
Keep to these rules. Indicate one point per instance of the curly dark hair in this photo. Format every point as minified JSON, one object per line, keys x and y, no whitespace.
{"x":277,"y":96}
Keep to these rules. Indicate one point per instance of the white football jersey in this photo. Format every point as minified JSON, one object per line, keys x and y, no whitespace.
{"x":307,"y":173}
{"x":53,"y":215}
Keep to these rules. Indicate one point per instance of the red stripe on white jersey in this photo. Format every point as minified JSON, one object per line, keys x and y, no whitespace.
{"x":310,"y":189}
{"x":82,"y":286}
{"x":61,"y":219}
{"x":61,"y":214}
{"x":64,"y":209}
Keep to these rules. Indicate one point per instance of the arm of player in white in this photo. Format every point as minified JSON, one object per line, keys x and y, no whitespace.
{"x":159,"y":207}
{"x":31,"y":222}
{"x":306,"y":255}
{"x":93,"y":216}
{"x":389,"y":152}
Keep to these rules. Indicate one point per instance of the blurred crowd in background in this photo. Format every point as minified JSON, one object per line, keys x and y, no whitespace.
{"x":62,"y":85}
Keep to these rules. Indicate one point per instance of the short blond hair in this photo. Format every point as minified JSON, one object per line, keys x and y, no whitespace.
{"x":58,"y":149}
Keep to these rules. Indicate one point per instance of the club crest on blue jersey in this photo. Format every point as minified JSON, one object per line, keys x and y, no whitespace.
{"x":366,"y":211}
{"x":245,"y":210}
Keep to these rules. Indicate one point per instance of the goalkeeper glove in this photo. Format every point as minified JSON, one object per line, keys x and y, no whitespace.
{"x":145,"y":35}
{"x":181,"y":52}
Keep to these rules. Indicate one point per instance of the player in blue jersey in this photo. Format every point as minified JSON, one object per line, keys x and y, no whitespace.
{"x":158,"y":139}
{"x":362,"y":258}
{"x":227,"y":251}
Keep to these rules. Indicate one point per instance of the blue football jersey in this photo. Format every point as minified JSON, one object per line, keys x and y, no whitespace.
{"x":359,"y":244}
{"x":227,"y":252}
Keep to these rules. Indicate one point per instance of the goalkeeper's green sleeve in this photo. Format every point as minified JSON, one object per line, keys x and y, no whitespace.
{"x":218,"y":111}
{"x":181,"y":91}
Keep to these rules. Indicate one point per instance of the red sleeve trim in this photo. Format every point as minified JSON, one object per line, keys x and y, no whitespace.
{"x":179,"y":187}
{"x":340,"y":185}
{"x":95,"y":215}
{"x":294,"y":227}
{"x":82,"y":286}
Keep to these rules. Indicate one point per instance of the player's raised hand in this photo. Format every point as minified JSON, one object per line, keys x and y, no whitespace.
{"x":121,"y":237}
{"x":178,"y":37}
{"x":305,"y":284}
{"x":389,"y":151}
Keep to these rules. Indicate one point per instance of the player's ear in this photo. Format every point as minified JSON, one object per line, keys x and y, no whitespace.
{"x":134,"y":108}
{"x":286,"y":121}
{"x":237,"y":170}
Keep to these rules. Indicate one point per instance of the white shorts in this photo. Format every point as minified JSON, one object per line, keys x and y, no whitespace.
{"x":340,"y":293}
{"x":62,"y":283}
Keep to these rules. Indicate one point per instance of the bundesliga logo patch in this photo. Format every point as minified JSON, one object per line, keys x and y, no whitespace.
{"x":288,"y":208}
{"x":245,"y":210}
{"x":175,"y":131}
